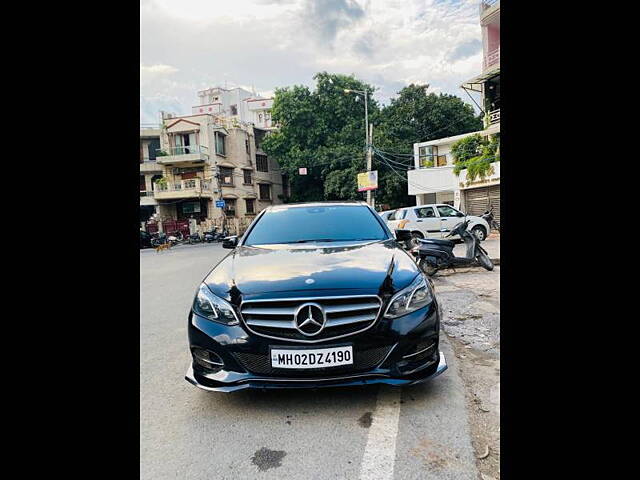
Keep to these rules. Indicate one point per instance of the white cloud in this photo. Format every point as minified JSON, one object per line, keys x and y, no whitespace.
{"x":193,"y":44}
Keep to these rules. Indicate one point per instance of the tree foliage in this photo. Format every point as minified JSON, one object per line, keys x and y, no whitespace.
{"x":323,"y":130}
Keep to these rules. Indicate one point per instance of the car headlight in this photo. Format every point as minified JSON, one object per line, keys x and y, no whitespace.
{"x":415,"y":296}
{"x":213,"y":307}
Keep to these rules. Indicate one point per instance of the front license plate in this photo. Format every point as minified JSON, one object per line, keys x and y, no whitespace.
{"x":317,"y":358}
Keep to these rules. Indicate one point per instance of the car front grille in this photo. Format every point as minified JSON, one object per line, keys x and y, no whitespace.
{"x":363,"y":360}
{"x":345,"y":315}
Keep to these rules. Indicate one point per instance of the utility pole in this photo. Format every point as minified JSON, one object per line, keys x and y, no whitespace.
{"x":369,"y":162}
{"x":368,"y":135}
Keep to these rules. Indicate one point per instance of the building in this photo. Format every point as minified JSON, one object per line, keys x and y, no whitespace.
{"x":150,"y":170}
{"x":237,"y":103}
{"x":191,"y":164}
{"x":433,"y":180}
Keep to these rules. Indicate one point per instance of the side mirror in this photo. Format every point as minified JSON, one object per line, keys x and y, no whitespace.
{"x":230,"y":242}
{"x":403,"y":235}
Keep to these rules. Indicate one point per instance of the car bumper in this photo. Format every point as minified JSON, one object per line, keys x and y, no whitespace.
{"x":335,"y":381}
{"x":403,"y":351}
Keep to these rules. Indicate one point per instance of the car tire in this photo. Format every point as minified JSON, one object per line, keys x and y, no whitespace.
{"x":480,"y":232}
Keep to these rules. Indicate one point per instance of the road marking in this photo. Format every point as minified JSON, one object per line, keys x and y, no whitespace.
{"x":380,"y":453}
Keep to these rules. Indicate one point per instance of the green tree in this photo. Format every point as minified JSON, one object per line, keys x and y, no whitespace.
{"x":415,"y":116}
{"x":322,"y":130}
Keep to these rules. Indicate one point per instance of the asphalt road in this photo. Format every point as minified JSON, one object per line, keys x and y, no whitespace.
{"x":372,"y":432}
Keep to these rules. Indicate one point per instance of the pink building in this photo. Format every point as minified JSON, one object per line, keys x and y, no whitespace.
{"x":488,"y":82}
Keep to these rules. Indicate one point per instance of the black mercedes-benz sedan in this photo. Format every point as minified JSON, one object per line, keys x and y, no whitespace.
{"x":314,"y":295}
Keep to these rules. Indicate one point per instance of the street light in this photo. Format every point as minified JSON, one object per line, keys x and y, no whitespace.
{"x":367,"y":140}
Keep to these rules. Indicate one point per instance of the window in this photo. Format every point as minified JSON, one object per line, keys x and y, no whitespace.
{"x":246,"y":145}
{"x":143,"y":183}
{"x":220,"y":144}
{"x":314,"y":224}
{"x":247,"y":177}
{"x":426,"y":156}
{"x":226,"y":176}
{"x":262,"y":163}
{"x":234,"y":109}
{"x":442,"y":160}
{"x":425,"y":212}
{"x":250,"y":206}
{"x":392,"y":215}
{"x":400,"y":214}
{"x":265,"y":191}
{"x":446,"y":211}
{"x":230,"y":207}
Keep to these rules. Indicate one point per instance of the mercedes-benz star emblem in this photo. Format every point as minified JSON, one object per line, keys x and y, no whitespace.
{"x":310,"y":319}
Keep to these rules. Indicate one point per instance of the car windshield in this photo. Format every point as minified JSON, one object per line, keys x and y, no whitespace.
{"x":330,"y":223}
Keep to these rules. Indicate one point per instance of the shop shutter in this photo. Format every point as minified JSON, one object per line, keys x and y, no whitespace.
{"x":477,"y":201}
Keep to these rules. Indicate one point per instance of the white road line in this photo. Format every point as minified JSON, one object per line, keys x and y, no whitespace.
{"x":380,"y":452}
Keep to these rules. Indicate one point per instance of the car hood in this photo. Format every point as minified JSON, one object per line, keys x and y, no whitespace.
{"x":371,"y":268}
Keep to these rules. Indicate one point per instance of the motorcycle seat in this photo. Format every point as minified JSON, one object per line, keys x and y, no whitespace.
{"x":437,"y":241}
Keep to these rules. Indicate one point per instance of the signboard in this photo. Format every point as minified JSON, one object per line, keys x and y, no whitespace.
{"x":220,"y":203}
{"x":368,"y":181}
{"x":302,"y":171}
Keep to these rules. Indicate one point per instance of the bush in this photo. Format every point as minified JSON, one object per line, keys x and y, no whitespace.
{"x":476,"y":154}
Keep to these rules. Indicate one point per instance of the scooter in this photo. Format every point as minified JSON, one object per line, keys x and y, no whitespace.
{"x":158,"y":238}
{"x":488,"y":217}
{"x":436,"y":254}
{"x":176,"y":238}
{"x":194,"y":238}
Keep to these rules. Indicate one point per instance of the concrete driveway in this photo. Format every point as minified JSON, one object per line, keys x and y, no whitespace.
{"x":365,"y":432}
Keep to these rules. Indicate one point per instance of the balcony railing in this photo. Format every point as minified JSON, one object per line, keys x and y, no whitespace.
{"x":191,"y":184}
{"x":494,"y":116}
{"x":183,"y":150}
{"x":492,"y":58}
{"x":484,"y":4}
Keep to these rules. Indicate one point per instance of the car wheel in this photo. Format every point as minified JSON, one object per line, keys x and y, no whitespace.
{"x":479,"y":232}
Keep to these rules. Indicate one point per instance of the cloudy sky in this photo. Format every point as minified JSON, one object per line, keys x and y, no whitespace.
{"x":190,"y":45}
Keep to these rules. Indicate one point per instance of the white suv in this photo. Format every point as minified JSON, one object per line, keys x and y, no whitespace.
{"x":435,"y":221}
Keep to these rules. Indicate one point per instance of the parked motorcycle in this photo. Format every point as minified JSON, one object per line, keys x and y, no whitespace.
{"x":158,"y":238}
{"x":175,"y":238}
{"x":436,"y":254}
{"x":194,"y":238}
{"x":215,"y":236}
{"x":488,"y":217}
{"x":145,"y":239}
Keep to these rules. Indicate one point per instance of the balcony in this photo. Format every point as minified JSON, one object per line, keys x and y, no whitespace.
{"x":192,"y":188}
{"x":486,"y":5}
{"x":147,"y":198}
{"x":492,"y":59}
{"x":493,"y":178}
{"x":431,"y":180}
{"x":149,"y":166}
{"x":191,"y":154}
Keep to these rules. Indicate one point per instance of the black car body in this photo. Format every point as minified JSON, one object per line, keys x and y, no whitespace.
{"x":268,"y":306}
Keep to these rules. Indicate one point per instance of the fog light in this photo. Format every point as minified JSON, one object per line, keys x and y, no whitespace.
{"x":207,"y":359}
{"x":421,"y":351}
